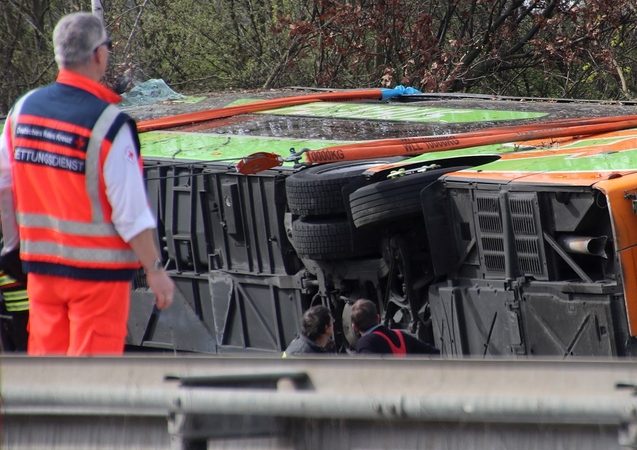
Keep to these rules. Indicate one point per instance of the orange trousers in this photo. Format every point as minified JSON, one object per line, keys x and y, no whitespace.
{"x":76,"y":317}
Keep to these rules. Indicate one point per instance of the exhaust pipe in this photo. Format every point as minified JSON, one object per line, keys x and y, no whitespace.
{"x":585,"y":245}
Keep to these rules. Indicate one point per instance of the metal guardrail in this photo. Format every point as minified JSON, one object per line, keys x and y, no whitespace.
{"x":433,"y":407}
{"x":201,"y":402}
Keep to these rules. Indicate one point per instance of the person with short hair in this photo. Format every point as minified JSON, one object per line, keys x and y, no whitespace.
{"x":317,"y":327}
{"x":377,"y":338}
{"x":73,"y":201}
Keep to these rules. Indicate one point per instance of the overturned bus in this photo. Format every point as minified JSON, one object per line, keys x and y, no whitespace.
{"x":483,"y":226}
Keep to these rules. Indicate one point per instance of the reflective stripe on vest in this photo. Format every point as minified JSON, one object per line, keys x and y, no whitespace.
{"x":92,"y":174}
{"x":14,"y":293}
{"x":397,"y":351}
{"x":80,"y":255}
{"x":104,"y":247}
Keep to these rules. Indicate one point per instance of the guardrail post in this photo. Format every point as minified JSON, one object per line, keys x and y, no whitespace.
{"x":192,"y":431}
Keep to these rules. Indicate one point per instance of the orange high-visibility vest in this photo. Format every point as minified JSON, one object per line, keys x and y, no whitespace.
{"x":60,"y":137}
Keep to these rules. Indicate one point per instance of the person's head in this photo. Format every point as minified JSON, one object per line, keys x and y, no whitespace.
{"x":364,"y":315}
{"x":77,"y":38}
{"x":316,"y":323}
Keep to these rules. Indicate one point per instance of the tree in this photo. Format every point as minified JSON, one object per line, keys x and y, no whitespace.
{"x":26,"y":56}
{"x":519,"y":47}
{"x":545,"y":48}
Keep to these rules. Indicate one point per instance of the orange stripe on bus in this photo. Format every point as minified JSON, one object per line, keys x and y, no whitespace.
{"x":625,"y":236}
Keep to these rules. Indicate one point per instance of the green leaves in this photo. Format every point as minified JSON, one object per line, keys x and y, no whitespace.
{"x":555,"y":48}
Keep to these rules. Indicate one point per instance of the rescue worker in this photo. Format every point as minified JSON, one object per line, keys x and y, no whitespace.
{"x":377,"y":338}
{"x":71,"y":188}
{"x":15,"y":304}
{"x":317,"y":327}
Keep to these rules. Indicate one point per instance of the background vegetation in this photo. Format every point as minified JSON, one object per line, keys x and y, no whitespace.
{"x":546,"y":48}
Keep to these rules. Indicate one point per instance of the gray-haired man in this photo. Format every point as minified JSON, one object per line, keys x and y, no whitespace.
{"x":70,"y":159}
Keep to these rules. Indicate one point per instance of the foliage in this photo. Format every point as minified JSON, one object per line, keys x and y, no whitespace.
{"x":546,"y":48}
{"x":199,"y":45}
{"x":518,"y":47}
{"x":26,"y":56}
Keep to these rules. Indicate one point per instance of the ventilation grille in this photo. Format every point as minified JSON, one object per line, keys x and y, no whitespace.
{"x":527,"y":236}
{"x":524,"y":219}
{"x":491,"y":232}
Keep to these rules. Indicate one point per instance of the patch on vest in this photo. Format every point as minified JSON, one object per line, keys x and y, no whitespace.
{"x":49,"y":159}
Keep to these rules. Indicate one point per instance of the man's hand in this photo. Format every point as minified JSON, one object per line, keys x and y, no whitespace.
{"x":143,"y":244}
{"x":162,"y":286}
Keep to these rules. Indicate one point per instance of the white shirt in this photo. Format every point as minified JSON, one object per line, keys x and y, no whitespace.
{"x":124,"y":183}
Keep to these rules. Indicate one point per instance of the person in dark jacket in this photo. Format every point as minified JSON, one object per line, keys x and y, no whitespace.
{"x":317,"y":327}
{"x":377,"y":338}
{"x":14,"y":307}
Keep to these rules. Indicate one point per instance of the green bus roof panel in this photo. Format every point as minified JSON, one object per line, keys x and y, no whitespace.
{"x":211,"y":147}
{"x":400,"y":113}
